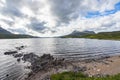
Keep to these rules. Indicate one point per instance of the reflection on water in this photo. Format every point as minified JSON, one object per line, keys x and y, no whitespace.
{"x":69,"y":48}
{"x":10,"y":67}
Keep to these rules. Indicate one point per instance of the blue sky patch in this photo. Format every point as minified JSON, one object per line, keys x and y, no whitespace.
{"x":105,"y":13}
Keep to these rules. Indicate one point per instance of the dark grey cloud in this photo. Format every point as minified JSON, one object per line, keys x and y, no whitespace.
{"x":12,"y":9}
{"x":65,"y":10}
{"x":12,"y":12}
{"x":110,"y":24}
{"x":36,"y":25}
{"x":10,"y":23}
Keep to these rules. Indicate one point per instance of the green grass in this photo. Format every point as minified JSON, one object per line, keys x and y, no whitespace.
{"x":104,"y":35}
{"x":80,"y":76}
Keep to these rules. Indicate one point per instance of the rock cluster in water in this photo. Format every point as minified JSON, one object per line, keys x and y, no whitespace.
{"x":10,"y":52}
{"x":20,"y":47}
{"x":42,"y":63}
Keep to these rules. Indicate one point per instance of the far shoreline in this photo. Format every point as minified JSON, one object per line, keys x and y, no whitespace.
{"x":60,"y":37}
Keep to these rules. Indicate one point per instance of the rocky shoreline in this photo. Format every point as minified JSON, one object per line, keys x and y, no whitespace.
{"x":42,"y":70}
{"x":43,"y":66}
{"x":38,"y":64}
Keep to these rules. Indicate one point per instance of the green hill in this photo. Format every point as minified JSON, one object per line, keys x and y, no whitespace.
{"x":4,"y":34}
{"x":3,"y":31}
{"x":115,"y":35}
{"x":104,"y":35}
{"x":78,"y":34}
{"x":12,"y":36}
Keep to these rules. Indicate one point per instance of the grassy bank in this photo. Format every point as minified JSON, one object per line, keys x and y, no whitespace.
{"x":105,"y":35}
{"x":80,"y":76}
{"x":102,"y":35}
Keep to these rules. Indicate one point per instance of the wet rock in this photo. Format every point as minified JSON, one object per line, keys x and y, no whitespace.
{"x":20,"y":48}
{"x":89,"y":60}
{"x":82,"y":69}
{"x":111,"y":60}
{"x":10,"y":52}
{"x":18,"y":55}
{"x":7,"y":75}
{"x":31,"y":57}
{"x":18,"y":59}
{"x":79,"y":69}
{"x":44,"y":62}
{"x":29,"y":74}
{"x":36,"y":68}
{"x":107,"y":57}
{"x":104,"y":57}
{"x":57,"y":62}
{"x":47,"y":56}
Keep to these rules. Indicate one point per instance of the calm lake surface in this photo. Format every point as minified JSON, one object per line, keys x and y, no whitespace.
{"x":70,"y":48}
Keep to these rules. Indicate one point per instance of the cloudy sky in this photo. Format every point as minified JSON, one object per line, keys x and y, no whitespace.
{"x":48,"y":18}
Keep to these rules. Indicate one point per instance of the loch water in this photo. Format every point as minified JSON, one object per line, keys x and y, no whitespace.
{"x":69,"y":48}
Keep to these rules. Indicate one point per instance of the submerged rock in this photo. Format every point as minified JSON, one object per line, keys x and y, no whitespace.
{"x":20,"y":48}
{"x":7,"y":75}
{"x":18,"y":60}
{"x":18,"y":55}
{"x":47,"y":57}
{"x":10,"y":52}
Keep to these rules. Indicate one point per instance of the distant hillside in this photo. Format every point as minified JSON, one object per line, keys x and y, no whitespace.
{"x":76,"y":34}
{"x":4,"y":34}
{"x":12,"y":36}
{"x":104,"y":35}
{"x":3,"y":31}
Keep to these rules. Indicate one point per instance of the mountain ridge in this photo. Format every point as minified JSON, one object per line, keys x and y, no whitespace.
{"x":4,"y":31}
{"x":76,"y":33}
{"x":113,"y":35}
{"x":4,"y":34}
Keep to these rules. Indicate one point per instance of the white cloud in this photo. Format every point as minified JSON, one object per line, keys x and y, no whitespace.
{"x":47,"y":18}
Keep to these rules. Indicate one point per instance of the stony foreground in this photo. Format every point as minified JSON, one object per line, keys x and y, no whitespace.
{"x":46,"y":65}
{"x":91,"y":67}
